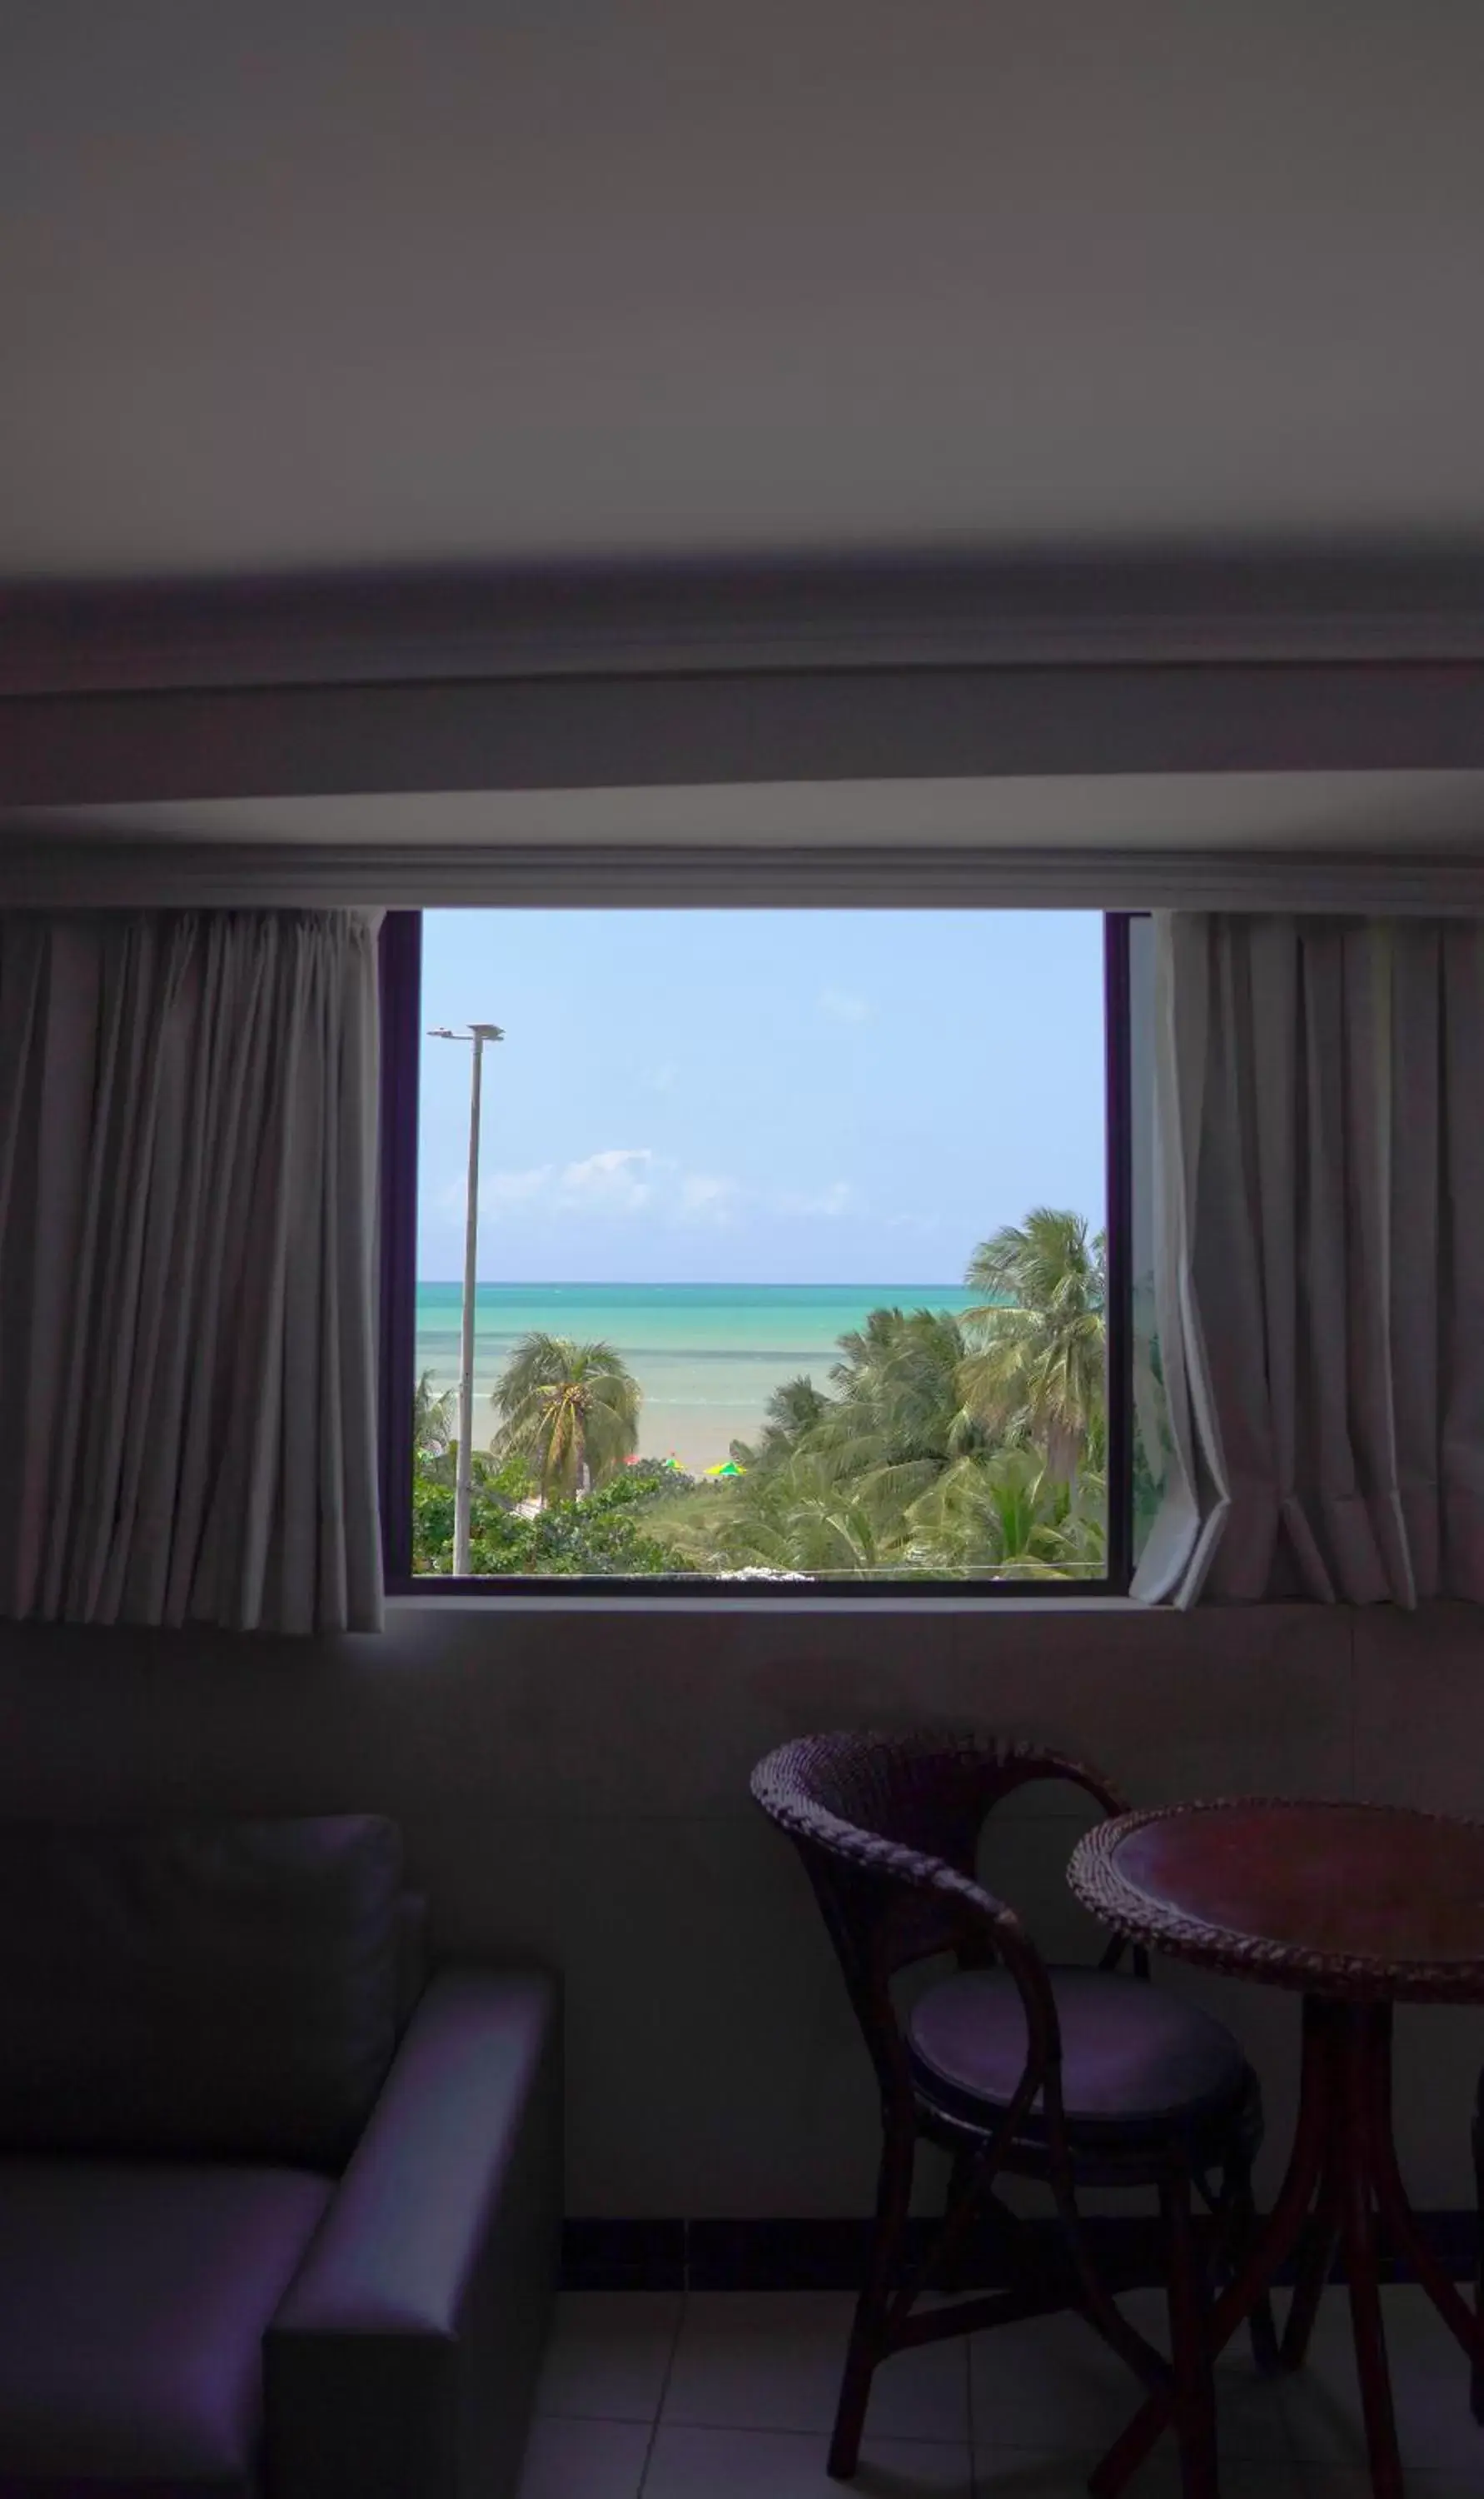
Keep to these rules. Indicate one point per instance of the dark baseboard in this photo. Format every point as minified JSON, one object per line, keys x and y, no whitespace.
{"x":830,"y":2255}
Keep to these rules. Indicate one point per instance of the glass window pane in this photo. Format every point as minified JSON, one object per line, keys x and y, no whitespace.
{"x":789,"y":1255}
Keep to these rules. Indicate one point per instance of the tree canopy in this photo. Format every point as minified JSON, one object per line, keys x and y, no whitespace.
{"x":1036,"y":1373}
{"x":942,"y":1445}
{"x":571,"y":1410}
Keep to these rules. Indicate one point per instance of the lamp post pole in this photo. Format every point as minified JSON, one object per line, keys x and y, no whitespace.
{"x":478,"y":1034}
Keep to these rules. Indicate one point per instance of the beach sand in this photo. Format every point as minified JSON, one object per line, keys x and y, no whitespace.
{"x":699,"y":1432}
{"x":699,"y":1437}
{"x":707,"y":1358}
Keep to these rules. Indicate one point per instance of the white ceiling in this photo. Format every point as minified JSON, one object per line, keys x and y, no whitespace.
{"x":1407,"y":814}
{"x":348,"y":282}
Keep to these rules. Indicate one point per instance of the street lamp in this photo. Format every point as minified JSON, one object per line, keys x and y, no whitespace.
{"x":478,"y":1034}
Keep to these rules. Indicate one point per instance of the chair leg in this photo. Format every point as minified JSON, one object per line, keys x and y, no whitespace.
{"x":1261,"y":2325}
{"x":1316,"y":2263}
{"x":957,"y":2274}
{"x":1195,"y":2404}
{"x":867,"y":2343}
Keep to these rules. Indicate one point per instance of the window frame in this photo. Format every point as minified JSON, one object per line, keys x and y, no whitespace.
{"x":401,"y":1063}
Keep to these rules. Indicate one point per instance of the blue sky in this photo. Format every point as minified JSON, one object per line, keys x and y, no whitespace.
{"x":759,"y":1096}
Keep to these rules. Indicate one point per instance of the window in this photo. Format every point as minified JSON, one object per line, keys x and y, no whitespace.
{"x":801,"y":1242}
{"x":1152,"y":1449}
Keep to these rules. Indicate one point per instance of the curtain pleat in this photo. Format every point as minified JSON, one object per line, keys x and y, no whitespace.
{"x":187,"y":1290}
{"x":1319,"y":1270}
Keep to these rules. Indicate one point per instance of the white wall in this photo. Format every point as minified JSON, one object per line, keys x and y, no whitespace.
{"x":573,"y":1783}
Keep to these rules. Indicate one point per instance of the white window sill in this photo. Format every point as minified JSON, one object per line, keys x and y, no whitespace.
{"x":800,"y":1608}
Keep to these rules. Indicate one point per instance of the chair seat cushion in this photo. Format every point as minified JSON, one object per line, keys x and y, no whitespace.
{"x":134,"y":2297}
{"x":1134,"y":2058}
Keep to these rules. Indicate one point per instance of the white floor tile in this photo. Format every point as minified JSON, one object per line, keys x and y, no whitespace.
{"x":691,"y":2464}
{"x":1301,"y":2481}
{"x":752,"y":2381}
{"x":773,"y":2361}
{"x":608,"y":2355}
{"x":1038,"y":2473}
{"x":584,"y":2460}
{"x":1030,"y":2473}
{"x":1436,"y":2429}
{"x":1052,"y":2382}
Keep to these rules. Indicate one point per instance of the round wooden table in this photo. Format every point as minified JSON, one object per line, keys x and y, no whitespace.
{"x":1357,"y":1907}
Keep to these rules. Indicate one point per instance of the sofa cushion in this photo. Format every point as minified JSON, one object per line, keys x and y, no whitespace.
{"x":135,"y":2297}
{"x":227,"y":1990}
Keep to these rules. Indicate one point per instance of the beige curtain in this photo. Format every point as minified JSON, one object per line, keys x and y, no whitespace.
{"x":187,"y":1226}
{"x":1319,"y":1257}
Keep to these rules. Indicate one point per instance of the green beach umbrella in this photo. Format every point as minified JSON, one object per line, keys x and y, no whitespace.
{"x":727,"y":1466}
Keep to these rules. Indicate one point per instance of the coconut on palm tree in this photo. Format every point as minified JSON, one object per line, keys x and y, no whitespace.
{"x":571,"y":1410}
{"x":1037,"y":1371}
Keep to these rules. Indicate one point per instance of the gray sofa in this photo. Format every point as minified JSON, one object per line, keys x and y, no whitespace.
{"x":279,"y":2213}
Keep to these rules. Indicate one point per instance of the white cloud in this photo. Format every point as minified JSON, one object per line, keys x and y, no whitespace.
{"x":619,"y":1178}
{"x":707,"y":1197}
{"x":615,"y":1182}
{"x":506,"y":1189}
{"x":838,"y":1199}
{"x":842,"y":1007}
{"x":621,"y":1181}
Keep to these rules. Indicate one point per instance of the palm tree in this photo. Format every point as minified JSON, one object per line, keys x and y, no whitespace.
{"x":572,"y":1409}
{"x":432,"y":1428}
{"x":899,"y":1387}
{"x":798,"y":1515}
{"x":831,"y":1480}
{"x":899,"y":1417}
{"x":791,"y":1411}
{"x":1037,"y":1370}
{"x":1008,"y":1518}
{"x":433,"y":1417}
{"x":970,"y":1446}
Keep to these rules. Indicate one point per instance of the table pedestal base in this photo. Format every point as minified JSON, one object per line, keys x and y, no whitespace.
{"x":1342,"y":2188}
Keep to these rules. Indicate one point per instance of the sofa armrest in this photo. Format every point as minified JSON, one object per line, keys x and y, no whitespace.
{"x":403,"y":2356}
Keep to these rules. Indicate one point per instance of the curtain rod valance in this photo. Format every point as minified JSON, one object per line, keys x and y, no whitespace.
{"x":406,"y":876}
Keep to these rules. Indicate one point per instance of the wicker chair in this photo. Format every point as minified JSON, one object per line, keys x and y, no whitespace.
{"x":1073,"y":2077}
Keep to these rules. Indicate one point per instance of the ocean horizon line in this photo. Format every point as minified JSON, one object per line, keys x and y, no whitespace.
{"x":697,"y":1284}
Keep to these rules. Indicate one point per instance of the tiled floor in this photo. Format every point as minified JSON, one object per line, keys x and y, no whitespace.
{"x":729,"y":2395}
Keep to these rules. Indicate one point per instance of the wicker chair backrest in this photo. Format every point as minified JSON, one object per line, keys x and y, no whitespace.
{"x":888,"y":1826}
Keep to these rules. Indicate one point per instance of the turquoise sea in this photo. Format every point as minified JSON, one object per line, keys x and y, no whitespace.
{"x":706,"y":1356}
